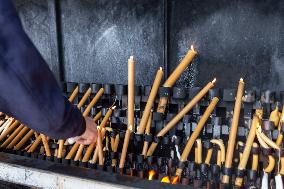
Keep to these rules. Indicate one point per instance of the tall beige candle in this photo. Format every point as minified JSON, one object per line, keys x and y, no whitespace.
{"x":234,"y":129}
{"x":150,"y":101}
{"x":130,"y":115}
{"x":180,"y":115}
{"x":196,"y":132}
{"x":130,"y":97}
{"x":247,"y":149}
{"x":24,"y":140}
{"x":175,"y":76}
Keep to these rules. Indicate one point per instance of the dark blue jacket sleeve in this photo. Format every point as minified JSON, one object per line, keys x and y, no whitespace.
{"x":28,"y":89}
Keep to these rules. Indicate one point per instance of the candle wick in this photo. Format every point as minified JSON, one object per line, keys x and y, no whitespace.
{"x":214,"y":80}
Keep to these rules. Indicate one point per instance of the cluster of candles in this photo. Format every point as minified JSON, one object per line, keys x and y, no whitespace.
{"x":15,"y":135}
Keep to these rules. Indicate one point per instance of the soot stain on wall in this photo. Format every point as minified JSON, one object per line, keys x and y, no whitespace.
{"x":234,"y":39}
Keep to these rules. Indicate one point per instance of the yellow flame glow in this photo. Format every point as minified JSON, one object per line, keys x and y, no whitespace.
{"x":166,"y":179}
{"x":152,"y":173}
{"x":175,"y":180}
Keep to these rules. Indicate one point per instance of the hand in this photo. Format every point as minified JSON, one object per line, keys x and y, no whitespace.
{"x":91,"y":133}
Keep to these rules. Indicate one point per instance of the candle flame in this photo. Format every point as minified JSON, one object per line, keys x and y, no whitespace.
{"x":192,"y":48}
{"x":214,"y":80}
{"x":113,"y":107}
{"x":131,"y":57}
{"x":241,"y":80}
{"x":152,"y":173}
{"x":161,"y":68}
{"x":175,"y":180}
{"x":166,"y":179}
{"x":130,"y":127}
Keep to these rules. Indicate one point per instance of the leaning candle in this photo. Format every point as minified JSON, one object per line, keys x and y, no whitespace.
{"x":125,"y":146}
{"x":174,"y":77}
{"x":246,"y":152}
{"x":80,"y":104}
{"x":35,"y":144}
{"x":75,"y":147}
{"x":85,"y":114}
{"x":9,"y":130}
{"x":100,"y":136}
{"x":18,"y":137}
{"x":45,"y":145}
{"x":24,"y":140}
{"x":130,"y":111}
{"x":150,"y":101}
{"x":233,"y":132}
{"x":147,"y":132}
{"x":180,"y":115}
{"x":180,"y":68}
{"x":196,"y":132}
{"x":92,"y":146}
{"x":12,"y":136}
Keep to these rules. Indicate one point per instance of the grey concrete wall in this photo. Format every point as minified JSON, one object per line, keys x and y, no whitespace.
{"x":91,"y":40}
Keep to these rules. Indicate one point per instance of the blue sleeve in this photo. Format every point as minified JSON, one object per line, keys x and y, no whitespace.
{"x":28,"y":90}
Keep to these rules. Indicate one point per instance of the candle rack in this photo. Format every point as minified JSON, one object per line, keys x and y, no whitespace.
{"x":165,"y":160}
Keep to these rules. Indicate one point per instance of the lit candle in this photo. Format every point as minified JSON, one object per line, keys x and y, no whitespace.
{"x":234,"y":129}
{"x":130,"y":111}
{"x":180,"y":68}
{"x":196,"y":132}
{"x":150,"y":101}
{"x":180,"y":115}
{"x":174,"y":77}
{"x":247,"y":149}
